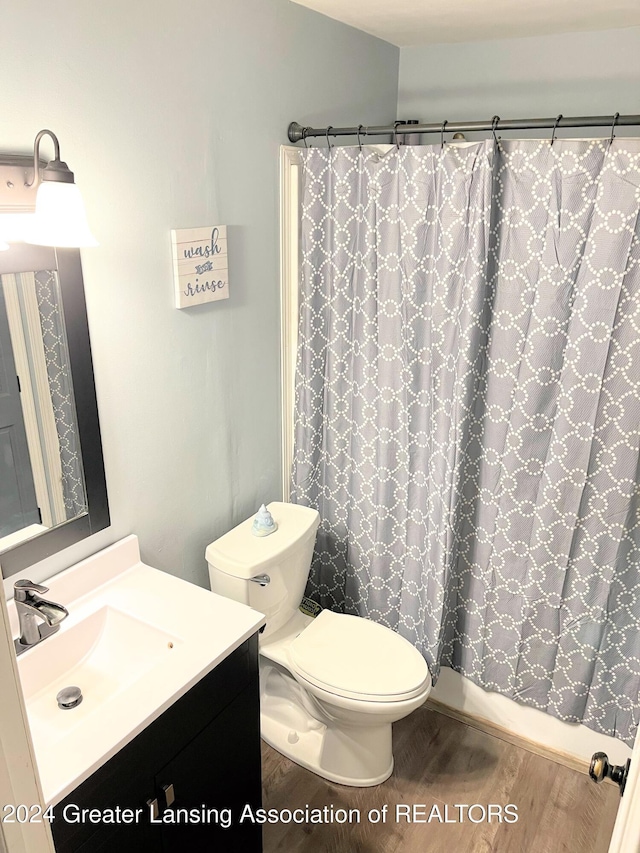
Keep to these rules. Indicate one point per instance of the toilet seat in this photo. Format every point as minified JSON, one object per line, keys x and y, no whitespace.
{"x":356,"y":658}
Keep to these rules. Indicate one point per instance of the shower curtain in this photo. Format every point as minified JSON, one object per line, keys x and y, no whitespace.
{"x":468,"y":409}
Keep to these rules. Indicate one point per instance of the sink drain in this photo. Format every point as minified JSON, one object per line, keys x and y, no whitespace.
{"x":69,"y":697}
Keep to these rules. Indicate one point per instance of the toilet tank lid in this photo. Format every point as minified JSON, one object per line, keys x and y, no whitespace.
{"x":243,"y":555}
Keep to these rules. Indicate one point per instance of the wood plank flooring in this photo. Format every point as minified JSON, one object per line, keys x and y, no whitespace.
{"x":442,"y":762}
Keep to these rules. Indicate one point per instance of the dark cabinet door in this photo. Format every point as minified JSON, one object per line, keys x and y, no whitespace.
{"x":123,"y":839}
{"x":123,"y":783}
{"x":212,"y":780}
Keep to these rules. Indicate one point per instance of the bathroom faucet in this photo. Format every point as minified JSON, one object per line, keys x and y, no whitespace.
{"x":38,"y":618}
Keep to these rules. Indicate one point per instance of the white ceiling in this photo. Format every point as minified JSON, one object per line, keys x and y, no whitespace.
{"x":412,"y":22}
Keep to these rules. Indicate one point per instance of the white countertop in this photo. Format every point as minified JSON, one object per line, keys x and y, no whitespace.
{"x":195,"y":628}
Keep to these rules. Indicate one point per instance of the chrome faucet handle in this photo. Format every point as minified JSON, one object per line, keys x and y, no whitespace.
{"x":37,"y":617}
{"x":22,"y":588}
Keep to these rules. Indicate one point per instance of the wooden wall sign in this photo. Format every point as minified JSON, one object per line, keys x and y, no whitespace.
{"x":200,"y":265}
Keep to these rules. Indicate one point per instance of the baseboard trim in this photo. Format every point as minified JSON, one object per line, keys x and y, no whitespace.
{"x":486,"y":726}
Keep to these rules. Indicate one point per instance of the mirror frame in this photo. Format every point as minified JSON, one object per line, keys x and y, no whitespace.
{"x":66,"y":262}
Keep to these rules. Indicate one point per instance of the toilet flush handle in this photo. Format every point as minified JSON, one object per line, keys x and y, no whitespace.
{"x":263,"y":580}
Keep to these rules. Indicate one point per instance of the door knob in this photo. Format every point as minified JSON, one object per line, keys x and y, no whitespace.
{"x":600,"y":769}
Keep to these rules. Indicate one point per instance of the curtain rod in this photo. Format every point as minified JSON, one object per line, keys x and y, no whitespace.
{"x":297,"y":132}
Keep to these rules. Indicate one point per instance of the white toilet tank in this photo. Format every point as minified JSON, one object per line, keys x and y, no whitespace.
{"x":285,"y":556}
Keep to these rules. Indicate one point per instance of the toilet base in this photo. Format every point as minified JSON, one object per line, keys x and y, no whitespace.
{"x":295,"y":724}
{"x":308,"y":748}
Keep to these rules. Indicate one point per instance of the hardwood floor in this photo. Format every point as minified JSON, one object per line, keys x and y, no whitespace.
{"x":442,"y":762}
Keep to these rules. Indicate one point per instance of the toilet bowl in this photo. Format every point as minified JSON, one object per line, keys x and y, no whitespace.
{"x":330,"y":687}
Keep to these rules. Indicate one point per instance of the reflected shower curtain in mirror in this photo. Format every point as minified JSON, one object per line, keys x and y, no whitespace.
{"x":468,"y":409}
{"x":61,"y":390}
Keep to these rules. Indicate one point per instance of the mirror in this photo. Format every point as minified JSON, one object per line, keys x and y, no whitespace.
{"x":52,"y":483}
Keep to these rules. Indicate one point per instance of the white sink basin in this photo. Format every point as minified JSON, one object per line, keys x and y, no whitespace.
{"x":102,"y":655}
{"x":136,"y":640}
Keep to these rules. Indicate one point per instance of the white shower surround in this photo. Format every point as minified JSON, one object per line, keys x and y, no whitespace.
{"x":573,"y":739}
{"x":452,"y":689}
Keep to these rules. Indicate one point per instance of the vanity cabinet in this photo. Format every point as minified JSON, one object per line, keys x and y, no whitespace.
{"x":202,"y":755}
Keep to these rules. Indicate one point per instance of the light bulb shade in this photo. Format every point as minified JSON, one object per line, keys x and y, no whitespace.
{"x":14,"y":226}
{"x":60,"y":218}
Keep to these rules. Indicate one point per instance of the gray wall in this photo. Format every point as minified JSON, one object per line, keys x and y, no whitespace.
{"x":171,"y":115}
{"x":574,"y":74}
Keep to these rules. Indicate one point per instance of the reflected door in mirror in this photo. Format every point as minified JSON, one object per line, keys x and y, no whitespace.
{"x":18,"y":504}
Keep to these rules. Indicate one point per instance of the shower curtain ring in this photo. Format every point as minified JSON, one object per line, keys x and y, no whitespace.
{"x":304,"y":136}
{"x":444,"y":124}
{"x":359,"y":140}
{"x":555,"y":127}
{"x":395,"y":133}
{"x":329,"y":145}
{"x":613,"y":127}
{"x":494,"y":126}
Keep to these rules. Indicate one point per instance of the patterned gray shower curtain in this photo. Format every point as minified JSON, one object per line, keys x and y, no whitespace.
{"x":468,"y":410}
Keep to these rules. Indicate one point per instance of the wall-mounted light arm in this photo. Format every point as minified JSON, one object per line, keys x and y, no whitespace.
{"x":52,"y":166}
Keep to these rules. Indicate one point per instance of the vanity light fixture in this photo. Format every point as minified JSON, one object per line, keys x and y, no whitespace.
{"x":28,"y":185}
{"x":60,"y":218}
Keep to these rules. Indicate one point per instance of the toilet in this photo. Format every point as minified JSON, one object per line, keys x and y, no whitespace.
{"x":330,"y":686}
